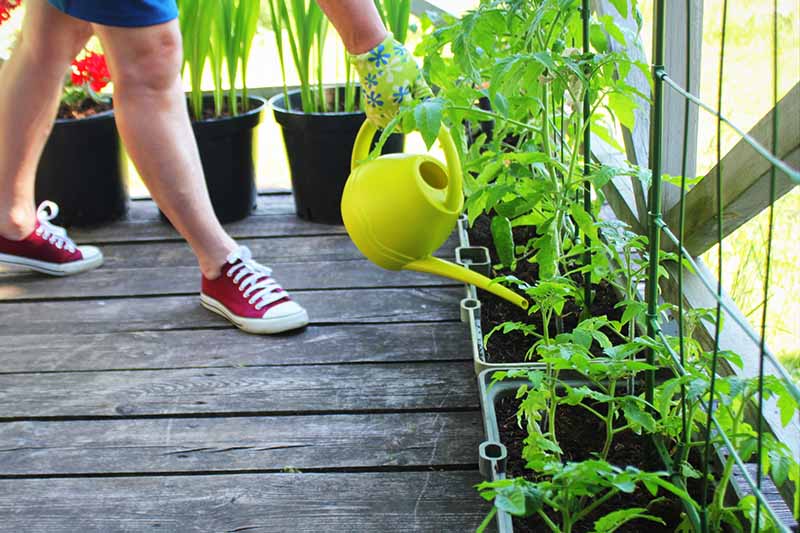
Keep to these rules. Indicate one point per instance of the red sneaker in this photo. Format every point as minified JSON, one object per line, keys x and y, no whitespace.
{"x":48,"y":249}
{"x":248,"y":297}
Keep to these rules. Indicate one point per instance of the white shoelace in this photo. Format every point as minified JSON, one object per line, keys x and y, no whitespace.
{"x":254,"y":279}
{"x":55,"y":235}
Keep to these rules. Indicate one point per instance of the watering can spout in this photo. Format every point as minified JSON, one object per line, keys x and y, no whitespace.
{"x":439,"y":267}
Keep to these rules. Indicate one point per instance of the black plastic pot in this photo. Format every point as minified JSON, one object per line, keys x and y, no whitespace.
{"x":319,"y":146}
{"x":83,"y":171}
{"x":228,"y":151}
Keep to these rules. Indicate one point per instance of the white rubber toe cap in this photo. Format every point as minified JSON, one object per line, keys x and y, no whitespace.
{"x":284,"y":309}
{"x":91,"y":254}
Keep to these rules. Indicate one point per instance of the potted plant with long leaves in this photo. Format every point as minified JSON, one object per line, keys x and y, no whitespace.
{"x":319,"y":122}
{"x":84,"y":139}
{"x":82,"y":168}
{"x":219,"y":34}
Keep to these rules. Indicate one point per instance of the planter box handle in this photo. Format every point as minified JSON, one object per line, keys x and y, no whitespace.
{"x":492,"y":457}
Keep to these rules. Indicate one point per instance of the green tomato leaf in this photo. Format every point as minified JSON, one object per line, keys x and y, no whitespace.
{"x":528,"y":158}
{"x":520,"y":499}
{"x":546,"y":256}
{"x":621,"y":6}
{"x":546,"y":59}
{"x":584,"y":220}
{"x":489,"y":172}
{"x":465,"y":56}
{"x":598,"y":38}
{"x":612,"y":29}
{"x":780,"y":467}
{"x":612,"y":521}
{"x":476,"y":204}
{"x":624,"y":484}
{"x":500,"y":104}
{"x":689,"y":471}
{"x":638,"y":417}
{"x":582,"y":338}
{"x":633,"y":309}
{"x":428,"y":116}
{"x":623,"y":107}
{"x":503,"y":239}
{"x":788,"y":407}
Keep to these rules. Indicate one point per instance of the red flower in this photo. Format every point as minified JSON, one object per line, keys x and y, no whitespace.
{"x":91,"y":70}
{"x":6,"y":7}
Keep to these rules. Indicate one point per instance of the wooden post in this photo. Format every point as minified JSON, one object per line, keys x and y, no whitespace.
{"x":674,"y":103}
{"x":637,"y":142}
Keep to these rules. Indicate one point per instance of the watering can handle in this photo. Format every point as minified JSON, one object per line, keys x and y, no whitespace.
{"x":455,"y":197}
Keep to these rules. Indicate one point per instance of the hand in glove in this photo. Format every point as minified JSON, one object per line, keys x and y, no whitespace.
{"x":389,"y":77}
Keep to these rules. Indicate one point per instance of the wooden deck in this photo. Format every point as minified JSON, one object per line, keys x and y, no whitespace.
{"x":126,"y":406}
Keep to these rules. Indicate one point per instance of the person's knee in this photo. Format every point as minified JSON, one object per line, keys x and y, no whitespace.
{"x":152,"y":65}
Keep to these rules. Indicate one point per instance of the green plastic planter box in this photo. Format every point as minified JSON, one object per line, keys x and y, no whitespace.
{"x":492,"y":453}
{"x":477,"y":258}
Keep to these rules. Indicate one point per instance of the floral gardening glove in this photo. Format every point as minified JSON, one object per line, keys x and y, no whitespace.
{"x":389,"y":77}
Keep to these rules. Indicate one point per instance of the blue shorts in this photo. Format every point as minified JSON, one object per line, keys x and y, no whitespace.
{"x":126,"y":13}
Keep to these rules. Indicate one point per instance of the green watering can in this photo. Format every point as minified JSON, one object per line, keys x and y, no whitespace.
{"x":400,"y":208}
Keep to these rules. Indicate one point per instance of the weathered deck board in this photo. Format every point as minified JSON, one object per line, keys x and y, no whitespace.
{"x":370,"y":343}
{"x":174,"y":312}
{"x":153,"y":229}
{"x":270,"y":251}
{"x":126,"y":406}
{"x":267,"y":204}
{"x":353,"y":502}
{"x":106,"y":283}
{"x":254,"y":390}
{"x":155,"y":446}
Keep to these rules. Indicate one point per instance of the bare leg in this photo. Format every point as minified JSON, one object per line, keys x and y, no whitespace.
{"x":30,"y":88}
{"x":150,"y":109}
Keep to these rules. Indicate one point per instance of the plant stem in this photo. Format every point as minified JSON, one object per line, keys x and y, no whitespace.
{"x":546,"y":136}
{"x":496,"y":116}
{"x":621,"y":429}
{"x":487,"y":520}
{"x":612,"y":409}
{"x":550,"y":31}
{"x":722,"y":489}
{"x":553,"y":527}
{"x":593,"y":411}
{"x":595,"y":504}
{"x":629,"y":292}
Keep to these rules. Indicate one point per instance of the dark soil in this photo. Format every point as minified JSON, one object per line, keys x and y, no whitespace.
{"x":84,"y":109}
{"x":331,"y":104}
{"x":511,"y":347}
{"x":581,"y":435}
{"x":208,"y":108}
